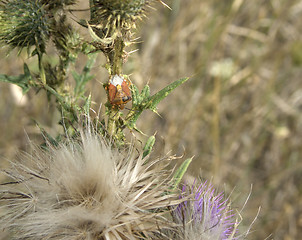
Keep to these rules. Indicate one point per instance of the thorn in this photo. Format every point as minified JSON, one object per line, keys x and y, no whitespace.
{"x":166,"y":5}
{"x":132,"y":51}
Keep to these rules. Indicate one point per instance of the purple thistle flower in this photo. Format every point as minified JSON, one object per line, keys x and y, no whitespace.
{"x":204,"y":215}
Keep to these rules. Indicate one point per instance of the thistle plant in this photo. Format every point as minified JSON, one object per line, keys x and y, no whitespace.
{"x":85,"y":189}
{"x":111,"y":25}
{"x":36,"y":23}
{"x":91,"y":184}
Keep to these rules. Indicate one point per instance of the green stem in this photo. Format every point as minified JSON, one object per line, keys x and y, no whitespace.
{"x":63,"y":103}
{"x":116,"y":63}
{"x":41,"y":68}
{"x":112,"y":127}
{"x":216,"y":130}
{"x":117,"y":60}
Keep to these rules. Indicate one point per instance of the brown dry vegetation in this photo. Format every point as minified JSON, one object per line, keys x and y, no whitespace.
{"x":243,"y":129}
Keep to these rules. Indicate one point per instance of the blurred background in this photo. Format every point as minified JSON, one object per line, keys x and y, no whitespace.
{"x":239,"y":115}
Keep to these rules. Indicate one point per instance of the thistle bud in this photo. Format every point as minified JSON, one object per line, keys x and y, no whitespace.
{"x":23,"y":24}
{"x":53,"y":4}
{"x":117,"y":18}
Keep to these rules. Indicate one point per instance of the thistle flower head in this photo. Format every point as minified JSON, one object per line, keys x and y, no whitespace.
{"x":85,"y":190}
{"x":117,"y":18}
{"x":52,"y":4}
{"x":23,"y":24}
{"x":205,"y":215}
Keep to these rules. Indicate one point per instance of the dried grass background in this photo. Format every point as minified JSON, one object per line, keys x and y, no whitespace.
{"x":243,"y":130}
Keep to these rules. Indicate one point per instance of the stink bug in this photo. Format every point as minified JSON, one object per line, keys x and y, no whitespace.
{"x":118,"y":91}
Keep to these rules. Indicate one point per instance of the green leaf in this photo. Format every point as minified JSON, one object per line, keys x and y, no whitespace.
{"x":23,"y":80}
{"x":96,"y":38}
{"x":87,"y":105}
{"x":64,"y":103}
{"x":49,"y":139}
{"x":154,"y":100}
{"x":143,"y":101}
{"x":84,"y":77}
{"x":135,"y":94}
{"x":148,"y":146}
{"x":180,"y":172}
{"x":145,"y":92}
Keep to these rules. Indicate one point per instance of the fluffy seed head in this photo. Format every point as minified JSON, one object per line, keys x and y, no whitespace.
{"x":85,"y":190}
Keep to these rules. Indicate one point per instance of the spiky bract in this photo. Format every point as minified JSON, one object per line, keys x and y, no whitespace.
{"x":85,"y":190}
{"x":52,"y":4}
{"x":117,"y":18}
{"x":204,"y":216}
{"x":23,"y":24}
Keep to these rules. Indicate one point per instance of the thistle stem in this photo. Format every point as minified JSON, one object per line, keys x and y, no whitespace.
{"x":114,"y":115}
{"x":41,"y":68}
{"x":117,"y":61}
{"x":216,"y":130}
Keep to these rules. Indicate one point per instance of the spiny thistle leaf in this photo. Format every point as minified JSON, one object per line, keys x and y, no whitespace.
{"x":87,"y":105}
{"x":64,"y":102}
{"x":180,"y":172}
{"x":96,"y":38}
{"x":154,"y":100}
{"x":148,"y":146}
{"x":49,"y":139}
{"x":21,"y":80}
{"x":84,"y":77}
{"x":135,"y":95}
{"x":145,"y":92}
{"x":143,"y":101}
